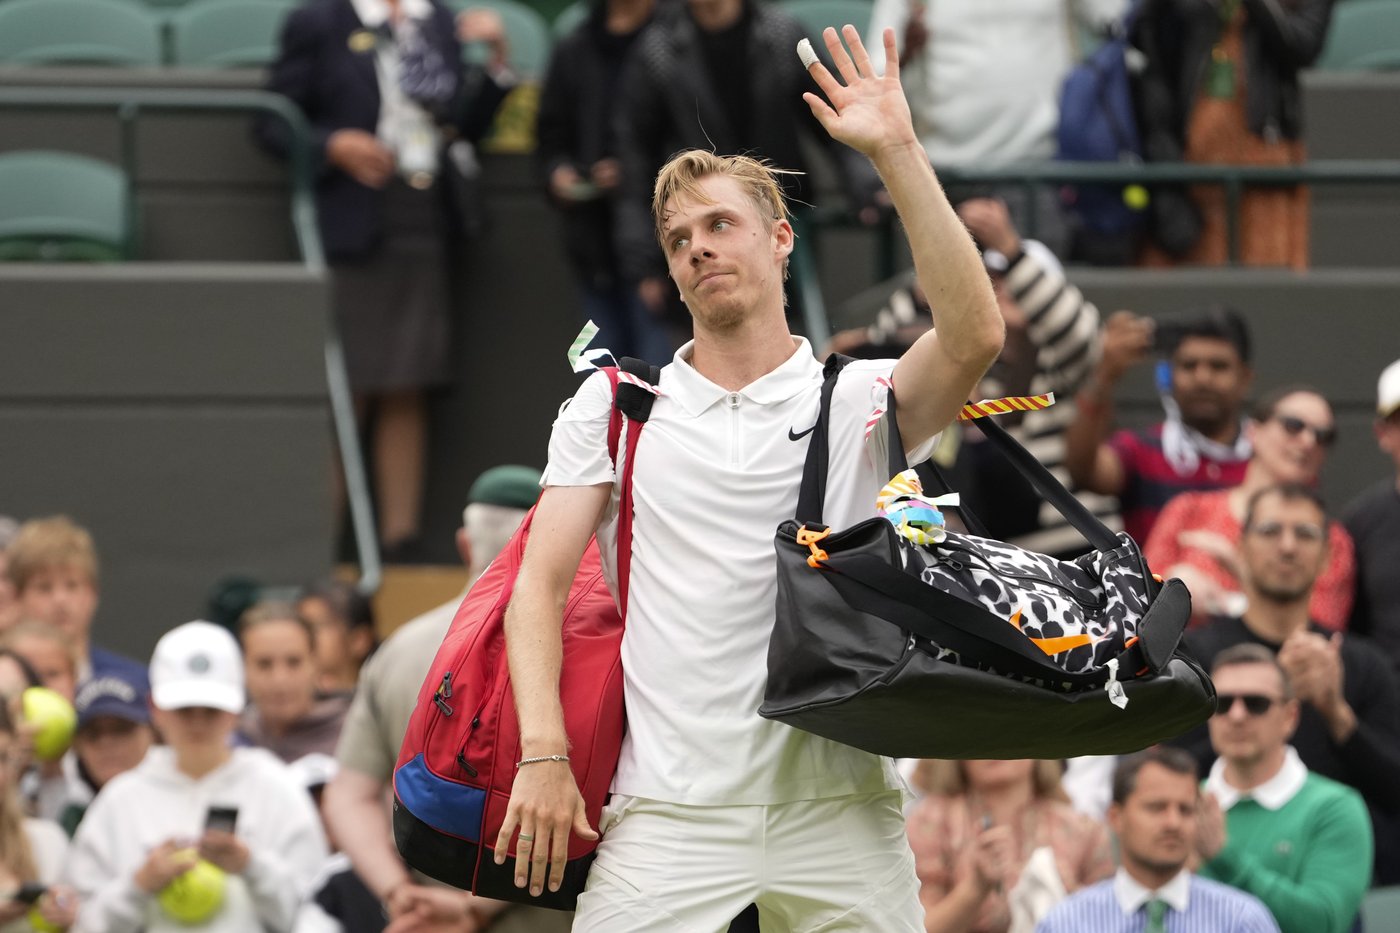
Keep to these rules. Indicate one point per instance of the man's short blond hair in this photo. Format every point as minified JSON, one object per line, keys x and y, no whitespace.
{"x":682,"y":175}
{"x":53,"y":543}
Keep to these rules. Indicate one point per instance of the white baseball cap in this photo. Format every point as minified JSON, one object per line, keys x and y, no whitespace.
{"x":1388,"y":391}
{"x":198,"y":664}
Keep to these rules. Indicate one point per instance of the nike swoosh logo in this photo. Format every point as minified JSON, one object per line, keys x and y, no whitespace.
{"x":797,"y":437}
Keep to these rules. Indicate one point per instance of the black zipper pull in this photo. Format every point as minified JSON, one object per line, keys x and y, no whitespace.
{"x":462,"y":761}
{"x":446,"y":688}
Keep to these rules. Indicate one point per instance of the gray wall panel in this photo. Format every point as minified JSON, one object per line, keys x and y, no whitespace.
{"x":177,"y":498}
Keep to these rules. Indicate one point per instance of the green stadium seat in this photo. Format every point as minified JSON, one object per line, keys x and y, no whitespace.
{"x":57,"y":206}
{"x":1364,"y":36}
{"x":816,"y":15}
{"x":569,"y":18}
{"x":88,"y":32}
{"x":227,"y":33}
{"x":1380,"y":908}
{"x":526,"y":31}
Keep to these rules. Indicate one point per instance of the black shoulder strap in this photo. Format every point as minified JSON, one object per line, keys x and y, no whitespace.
{"x":632,"y":400}
{"x":812,"y":494}
{"x":813,"y":491}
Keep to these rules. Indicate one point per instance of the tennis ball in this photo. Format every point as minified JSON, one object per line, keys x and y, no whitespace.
{"x":196,"y":895}
{"x":54,"y":718}
{"x":39,"y":924}
{"x":1136,"y":197}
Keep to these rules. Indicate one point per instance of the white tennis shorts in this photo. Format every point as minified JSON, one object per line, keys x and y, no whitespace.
{"x":834,"y":864}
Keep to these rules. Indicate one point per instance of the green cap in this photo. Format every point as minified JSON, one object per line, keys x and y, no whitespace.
{"x":515,"y":487}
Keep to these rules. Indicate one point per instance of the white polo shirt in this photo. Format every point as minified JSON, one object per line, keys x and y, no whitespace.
{"x":716,"y":473}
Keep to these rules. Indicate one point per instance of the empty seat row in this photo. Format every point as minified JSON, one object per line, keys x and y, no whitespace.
{"x":202,"y":34}
{"x":1364,"y":34}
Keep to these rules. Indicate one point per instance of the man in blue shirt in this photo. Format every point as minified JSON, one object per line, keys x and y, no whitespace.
{"x":1155,"y":804}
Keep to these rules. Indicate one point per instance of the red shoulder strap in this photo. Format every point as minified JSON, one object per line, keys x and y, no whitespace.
{"x":624,"y":510}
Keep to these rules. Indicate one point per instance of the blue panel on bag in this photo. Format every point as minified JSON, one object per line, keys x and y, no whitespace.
{"x":444,"y":805}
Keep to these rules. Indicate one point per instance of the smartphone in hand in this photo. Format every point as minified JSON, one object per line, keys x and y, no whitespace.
{"x":224,"y":819}
{"x":30,"y":892}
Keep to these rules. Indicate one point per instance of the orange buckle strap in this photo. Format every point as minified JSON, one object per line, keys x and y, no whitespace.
{"x":810,"y":539}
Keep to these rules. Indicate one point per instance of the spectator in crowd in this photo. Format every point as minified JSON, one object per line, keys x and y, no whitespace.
{"x":47,"y":651}
{"x":285,"y":715}
{"x":113,"y":735}
{"x":374,"y":729}
{"x":718,"y":75}
{"x":1296,"y":840}
{"x":31,"y":851}
{"x":978,"y":828}
{"x":983,"y":82}
{"x":393,"y":115}
{"x":337,"y":901}
{"x":1154,"y":817}
{"x":582,"y":174}
{"x":1197,"y":535}
{"x":150,"y":825}
{"x":1220,"y":85}
{"x":343,"y":618}
{"x":1052,"y":341}
{"x":52,"y":564}
{"x":16,"y":676}
{"x":9,"y":605}
{"x":1349,"y":722}
{"x":1201,"y":444}
{"x":1373,"y":519}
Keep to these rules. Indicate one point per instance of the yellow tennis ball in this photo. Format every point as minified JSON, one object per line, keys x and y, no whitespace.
{"x":196,"y":895}
{"x":39,"y":924}
{"x":1136,"y":197}
{"x":53,"y":716}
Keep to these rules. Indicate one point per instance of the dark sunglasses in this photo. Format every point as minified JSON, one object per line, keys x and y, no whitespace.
{"x":1292,"y":426}
{"x":1255,"y":704}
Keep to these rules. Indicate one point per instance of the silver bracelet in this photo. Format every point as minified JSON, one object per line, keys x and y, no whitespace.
{"x":531,"y":761}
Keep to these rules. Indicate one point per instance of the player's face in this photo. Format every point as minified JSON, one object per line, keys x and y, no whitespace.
{"x":725,"y":258}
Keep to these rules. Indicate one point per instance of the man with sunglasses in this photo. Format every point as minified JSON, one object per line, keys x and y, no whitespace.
{"x":1296,"y":840}
{"x":1373,"y":519}
{"x":1348,"y":702}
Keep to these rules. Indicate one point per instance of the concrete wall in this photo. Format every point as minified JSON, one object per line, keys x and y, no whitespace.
{"x":179,"y":413}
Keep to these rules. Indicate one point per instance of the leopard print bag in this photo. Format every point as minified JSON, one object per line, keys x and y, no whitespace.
{"x":904,"y":639}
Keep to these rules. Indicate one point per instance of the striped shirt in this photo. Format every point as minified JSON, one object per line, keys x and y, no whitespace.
{"x":1211,"y":907}
{"x":1063,"y":328}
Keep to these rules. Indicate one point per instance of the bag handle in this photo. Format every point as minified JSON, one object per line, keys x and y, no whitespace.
{"x":633,"y":404}
{"x":812,"y":495}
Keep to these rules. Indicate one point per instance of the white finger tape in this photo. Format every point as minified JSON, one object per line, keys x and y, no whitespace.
{"x":806,"y":53}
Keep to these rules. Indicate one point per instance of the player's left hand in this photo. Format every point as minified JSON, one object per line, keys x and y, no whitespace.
{"x":863,"y":110}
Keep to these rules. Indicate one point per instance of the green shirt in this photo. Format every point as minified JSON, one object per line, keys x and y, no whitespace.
{"x":1309,"y":861}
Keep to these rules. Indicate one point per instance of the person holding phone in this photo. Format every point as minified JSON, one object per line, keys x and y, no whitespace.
{"x":197,"y":799}
{"x":31,"y":851}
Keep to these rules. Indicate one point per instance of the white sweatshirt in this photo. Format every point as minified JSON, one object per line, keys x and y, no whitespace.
{"x":985,"y":89}
{"x":154,"y":802}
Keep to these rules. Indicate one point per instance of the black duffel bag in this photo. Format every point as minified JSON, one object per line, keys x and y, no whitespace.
{"x":904,"y":649}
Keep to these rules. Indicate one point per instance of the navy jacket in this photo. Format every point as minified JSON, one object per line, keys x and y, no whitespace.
{"x":332,"y":79}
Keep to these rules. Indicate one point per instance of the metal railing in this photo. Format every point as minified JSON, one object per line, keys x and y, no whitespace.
{"x":1233,"y":178}
{"x":128,"y":104}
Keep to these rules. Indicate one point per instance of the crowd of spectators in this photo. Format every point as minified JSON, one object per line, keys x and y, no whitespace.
{"x":262,"y":757}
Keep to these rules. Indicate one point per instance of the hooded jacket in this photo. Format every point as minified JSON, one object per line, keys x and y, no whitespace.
{"x":154,"y":802}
